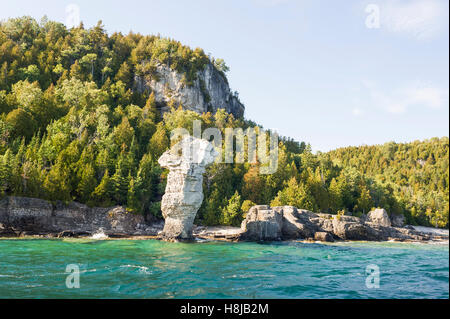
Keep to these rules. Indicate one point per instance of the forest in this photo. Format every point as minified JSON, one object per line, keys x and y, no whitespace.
{"x":73,"y":128}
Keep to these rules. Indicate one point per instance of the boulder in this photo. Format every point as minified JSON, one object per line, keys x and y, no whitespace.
{"x":262,"y":223}
{"x":379,"y":217}
{"x":296,"y":223}
{"x":323,"y":236}
{"x":349,"y":229}
{"x":183,"y":197}
{"x":398,"y":220}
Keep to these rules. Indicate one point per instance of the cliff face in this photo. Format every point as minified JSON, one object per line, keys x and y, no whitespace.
{"x":32,"y":216}
{"x":209,"y":91}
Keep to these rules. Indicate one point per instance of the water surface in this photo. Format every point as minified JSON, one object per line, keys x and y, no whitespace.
{"x":35,"y":268}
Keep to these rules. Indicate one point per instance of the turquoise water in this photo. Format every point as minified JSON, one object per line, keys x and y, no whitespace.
{"x":32,"y":268}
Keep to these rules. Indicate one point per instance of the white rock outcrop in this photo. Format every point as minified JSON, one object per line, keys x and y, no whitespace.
{"x":183,"y":197}
{"x":209,"y":92}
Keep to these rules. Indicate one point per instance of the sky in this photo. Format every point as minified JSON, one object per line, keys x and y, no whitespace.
{"x":330,"y":73}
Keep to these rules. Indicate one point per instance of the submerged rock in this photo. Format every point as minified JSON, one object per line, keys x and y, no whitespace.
{"x":186,"y":162}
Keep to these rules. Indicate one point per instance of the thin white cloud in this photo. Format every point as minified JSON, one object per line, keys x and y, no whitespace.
{"x":398,"y":101}
{"x":421,"y":19}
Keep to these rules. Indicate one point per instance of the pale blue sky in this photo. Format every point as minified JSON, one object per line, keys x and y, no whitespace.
{"x":311,"y":69}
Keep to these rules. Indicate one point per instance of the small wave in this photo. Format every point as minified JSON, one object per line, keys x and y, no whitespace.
{"x":99,"y":234}
{"x":141,"y":269}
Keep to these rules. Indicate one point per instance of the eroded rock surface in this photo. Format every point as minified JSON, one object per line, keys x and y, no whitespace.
{"x":287,"y":222}
{"x":186,"y":162}
{"x":31,"y":216}
{"x":208,"y":92}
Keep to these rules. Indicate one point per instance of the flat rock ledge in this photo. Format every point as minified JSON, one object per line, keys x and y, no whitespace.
{"x":22,"y":216}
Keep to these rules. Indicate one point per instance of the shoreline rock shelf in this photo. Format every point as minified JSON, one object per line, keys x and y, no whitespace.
{"x":21,"y":216}
{"x":286,"y":222}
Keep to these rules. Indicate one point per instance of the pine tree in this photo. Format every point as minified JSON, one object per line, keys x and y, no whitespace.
{"x":5,"y":172}
{"x":159,"y":142}
{"x":133,"y":203}
{"x":213,"y":208}
{"x":253,"y":185}
{"x":246,"y":205}
{"x":76,"y":71}
{"x":364,"y":201}
{"x":150,"y":111}
{"x":231,"y":214}
{"x":120,"y":182}
{"x":103,"y":193}
{"x":124,"y":74}
{"x":57,"y":185}
{"x":87,"y":183}
{"x":335,"y":196}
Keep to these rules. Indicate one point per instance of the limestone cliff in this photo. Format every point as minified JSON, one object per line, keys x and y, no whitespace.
{"x":209,"y":91}
{"x":32,"y":216}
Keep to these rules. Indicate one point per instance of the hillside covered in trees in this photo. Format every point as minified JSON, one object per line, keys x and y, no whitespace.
{"x":72,"y":127}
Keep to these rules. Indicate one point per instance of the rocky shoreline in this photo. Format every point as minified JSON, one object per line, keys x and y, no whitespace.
{"x":30,"y":217}
{"x":22,"y":216}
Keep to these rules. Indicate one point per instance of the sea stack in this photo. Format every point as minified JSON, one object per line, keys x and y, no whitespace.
{"x":186,"y":162}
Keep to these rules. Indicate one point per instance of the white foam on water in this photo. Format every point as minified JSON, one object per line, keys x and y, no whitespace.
{"x":141,"y":269}
{"x":99,"y":234}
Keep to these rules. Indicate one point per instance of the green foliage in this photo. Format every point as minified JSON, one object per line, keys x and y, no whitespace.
{"x":21,"y":122}
{"x":246,"y":205}
{"x":232,"y":214}
{"x":295,"y":194}
{"x":410,"y":178}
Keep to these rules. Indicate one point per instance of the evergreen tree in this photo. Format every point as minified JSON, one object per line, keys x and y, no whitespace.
{"x":133,"y":202}
{"x":159,"y":142}
{"x":295,"y":194}
{"x":365,"y":202}
{"x":231,"y":214}
{"x":120,"y":181}
{"x":103,"y":193}
{"x":87,"y":183}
